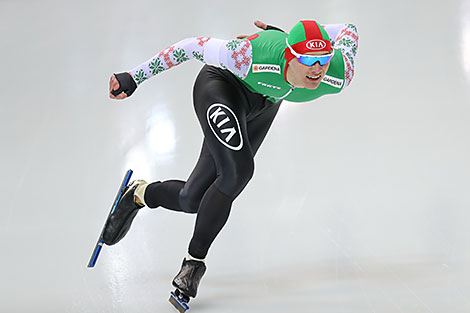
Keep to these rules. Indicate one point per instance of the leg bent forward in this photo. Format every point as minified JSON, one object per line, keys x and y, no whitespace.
{"x":221,"y":109}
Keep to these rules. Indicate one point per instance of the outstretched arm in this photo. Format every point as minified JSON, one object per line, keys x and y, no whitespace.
{"x":233,"y":55}
{"x":345,"y":38}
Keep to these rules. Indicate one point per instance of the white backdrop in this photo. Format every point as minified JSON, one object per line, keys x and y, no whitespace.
{"x":359,"y":203}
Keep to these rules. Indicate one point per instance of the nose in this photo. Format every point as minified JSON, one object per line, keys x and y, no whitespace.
{"x":316,"y":66}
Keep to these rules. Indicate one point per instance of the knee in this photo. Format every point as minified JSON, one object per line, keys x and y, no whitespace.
{"x":244,"y":172}
{"x":189,"y":202}
{"x":232,"y":180}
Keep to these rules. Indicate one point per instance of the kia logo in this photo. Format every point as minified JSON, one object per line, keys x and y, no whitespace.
{"x":225,"y":126}
{"x":316,"y":44}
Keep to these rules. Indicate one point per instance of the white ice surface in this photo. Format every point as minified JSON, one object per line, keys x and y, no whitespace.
{"x":360,"y":201}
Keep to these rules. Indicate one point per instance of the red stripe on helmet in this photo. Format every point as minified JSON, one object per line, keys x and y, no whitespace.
{"x":312,"y":30}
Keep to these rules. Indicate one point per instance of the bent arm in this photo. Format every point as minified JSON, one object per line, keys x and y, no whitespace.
{"x":345,"y":38}
{"x":234,"y":55}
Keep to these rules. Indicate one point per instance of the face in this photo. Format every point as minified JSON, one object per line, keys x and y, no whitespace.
{"x":303,"y":76}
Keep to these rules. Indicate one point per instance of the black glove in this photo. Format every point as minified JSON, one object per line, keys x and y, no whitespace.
{"x":270,"y":27}
{"x":126,"y":84}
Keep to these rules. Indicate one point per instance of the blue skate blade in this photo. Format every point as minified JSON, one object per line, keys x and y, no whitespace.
{"x":96,"y":253}
{"x":177,"y":304}
{"x":99,"y":244}
{"x":124,"y":184}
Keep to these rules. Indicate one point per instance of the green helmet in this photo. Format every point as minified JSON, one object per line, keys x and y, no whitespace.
{"x":307,"y":36}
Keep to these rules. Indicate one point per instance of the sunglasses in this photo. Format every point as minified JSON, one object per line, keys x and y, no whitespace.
{"x":310,"y":60}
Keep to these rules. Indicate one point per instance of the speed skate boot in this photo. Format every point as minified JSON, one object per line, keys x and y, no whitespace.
{"x":120,"y":220}
{"x":189,"y":277}
{"x":186,"y":283}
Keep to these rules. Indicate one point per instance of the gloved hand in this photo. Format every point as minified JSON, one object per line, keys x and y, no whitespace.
{"x":262,"y":26}
{"x":121,"y":86}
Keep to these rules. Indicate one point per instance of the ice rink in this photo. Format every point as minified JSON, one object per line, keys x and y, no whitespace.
{"x":360,"y":202}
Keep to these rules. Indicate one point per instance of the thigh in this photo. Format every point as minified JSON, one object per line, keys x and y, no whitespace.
{"x":221,"y":109}
{"x":258,"y":127}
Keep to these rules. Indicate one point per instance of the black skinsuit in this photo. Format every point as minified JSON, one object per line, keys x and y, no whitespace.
{"x":235,"y":122}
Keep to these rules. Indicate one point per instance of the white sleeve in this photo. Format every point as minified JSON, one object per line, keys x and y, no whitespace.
{"x":234,"y":55}
{"x":333,"y":31}
{"x":345,"y":38}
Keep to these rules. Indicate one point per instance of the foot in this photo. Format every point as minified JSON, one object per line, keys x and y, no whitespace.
{"x":189,"y":277}
{"x":120,"y":220}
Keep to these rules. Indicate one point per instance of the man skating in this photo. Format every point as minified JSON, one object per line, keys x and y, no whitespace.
{"x":236,"y":97}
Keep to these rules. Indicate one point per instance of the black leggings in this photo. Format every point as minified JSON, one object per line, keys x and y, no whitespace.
{"x":235,"y":122}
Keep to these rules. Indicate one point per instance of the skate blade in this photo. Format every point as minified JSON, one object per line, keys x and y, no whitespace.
{"x":100,"y":243}
{"x":177,"y":304}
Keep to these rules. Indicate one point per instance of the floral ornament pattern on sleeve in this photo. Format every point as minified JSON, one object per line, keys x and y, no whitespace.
{"x":239,"y":57}
{"x":156,"y":66}
{"x":347,"y":43}
{"x":140,"y":77}
{"x":234,"y":55}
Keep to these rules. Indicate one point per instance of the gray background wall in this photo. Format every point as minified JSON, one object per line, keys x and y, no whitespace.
{"x":359,"y":203}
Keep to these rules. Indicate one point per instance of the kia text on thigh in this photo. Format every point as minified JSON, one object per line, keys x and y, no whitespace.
{"x":225,"y":126}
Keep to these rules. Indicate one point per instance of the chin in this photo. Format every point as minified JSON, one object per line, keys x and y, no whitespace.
{"x":312,"y":87}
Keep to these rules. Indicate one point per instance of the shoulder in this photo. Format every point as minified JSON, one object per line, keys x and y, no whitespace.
{"x":268,"y":47}
{"x":269,"y":38}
